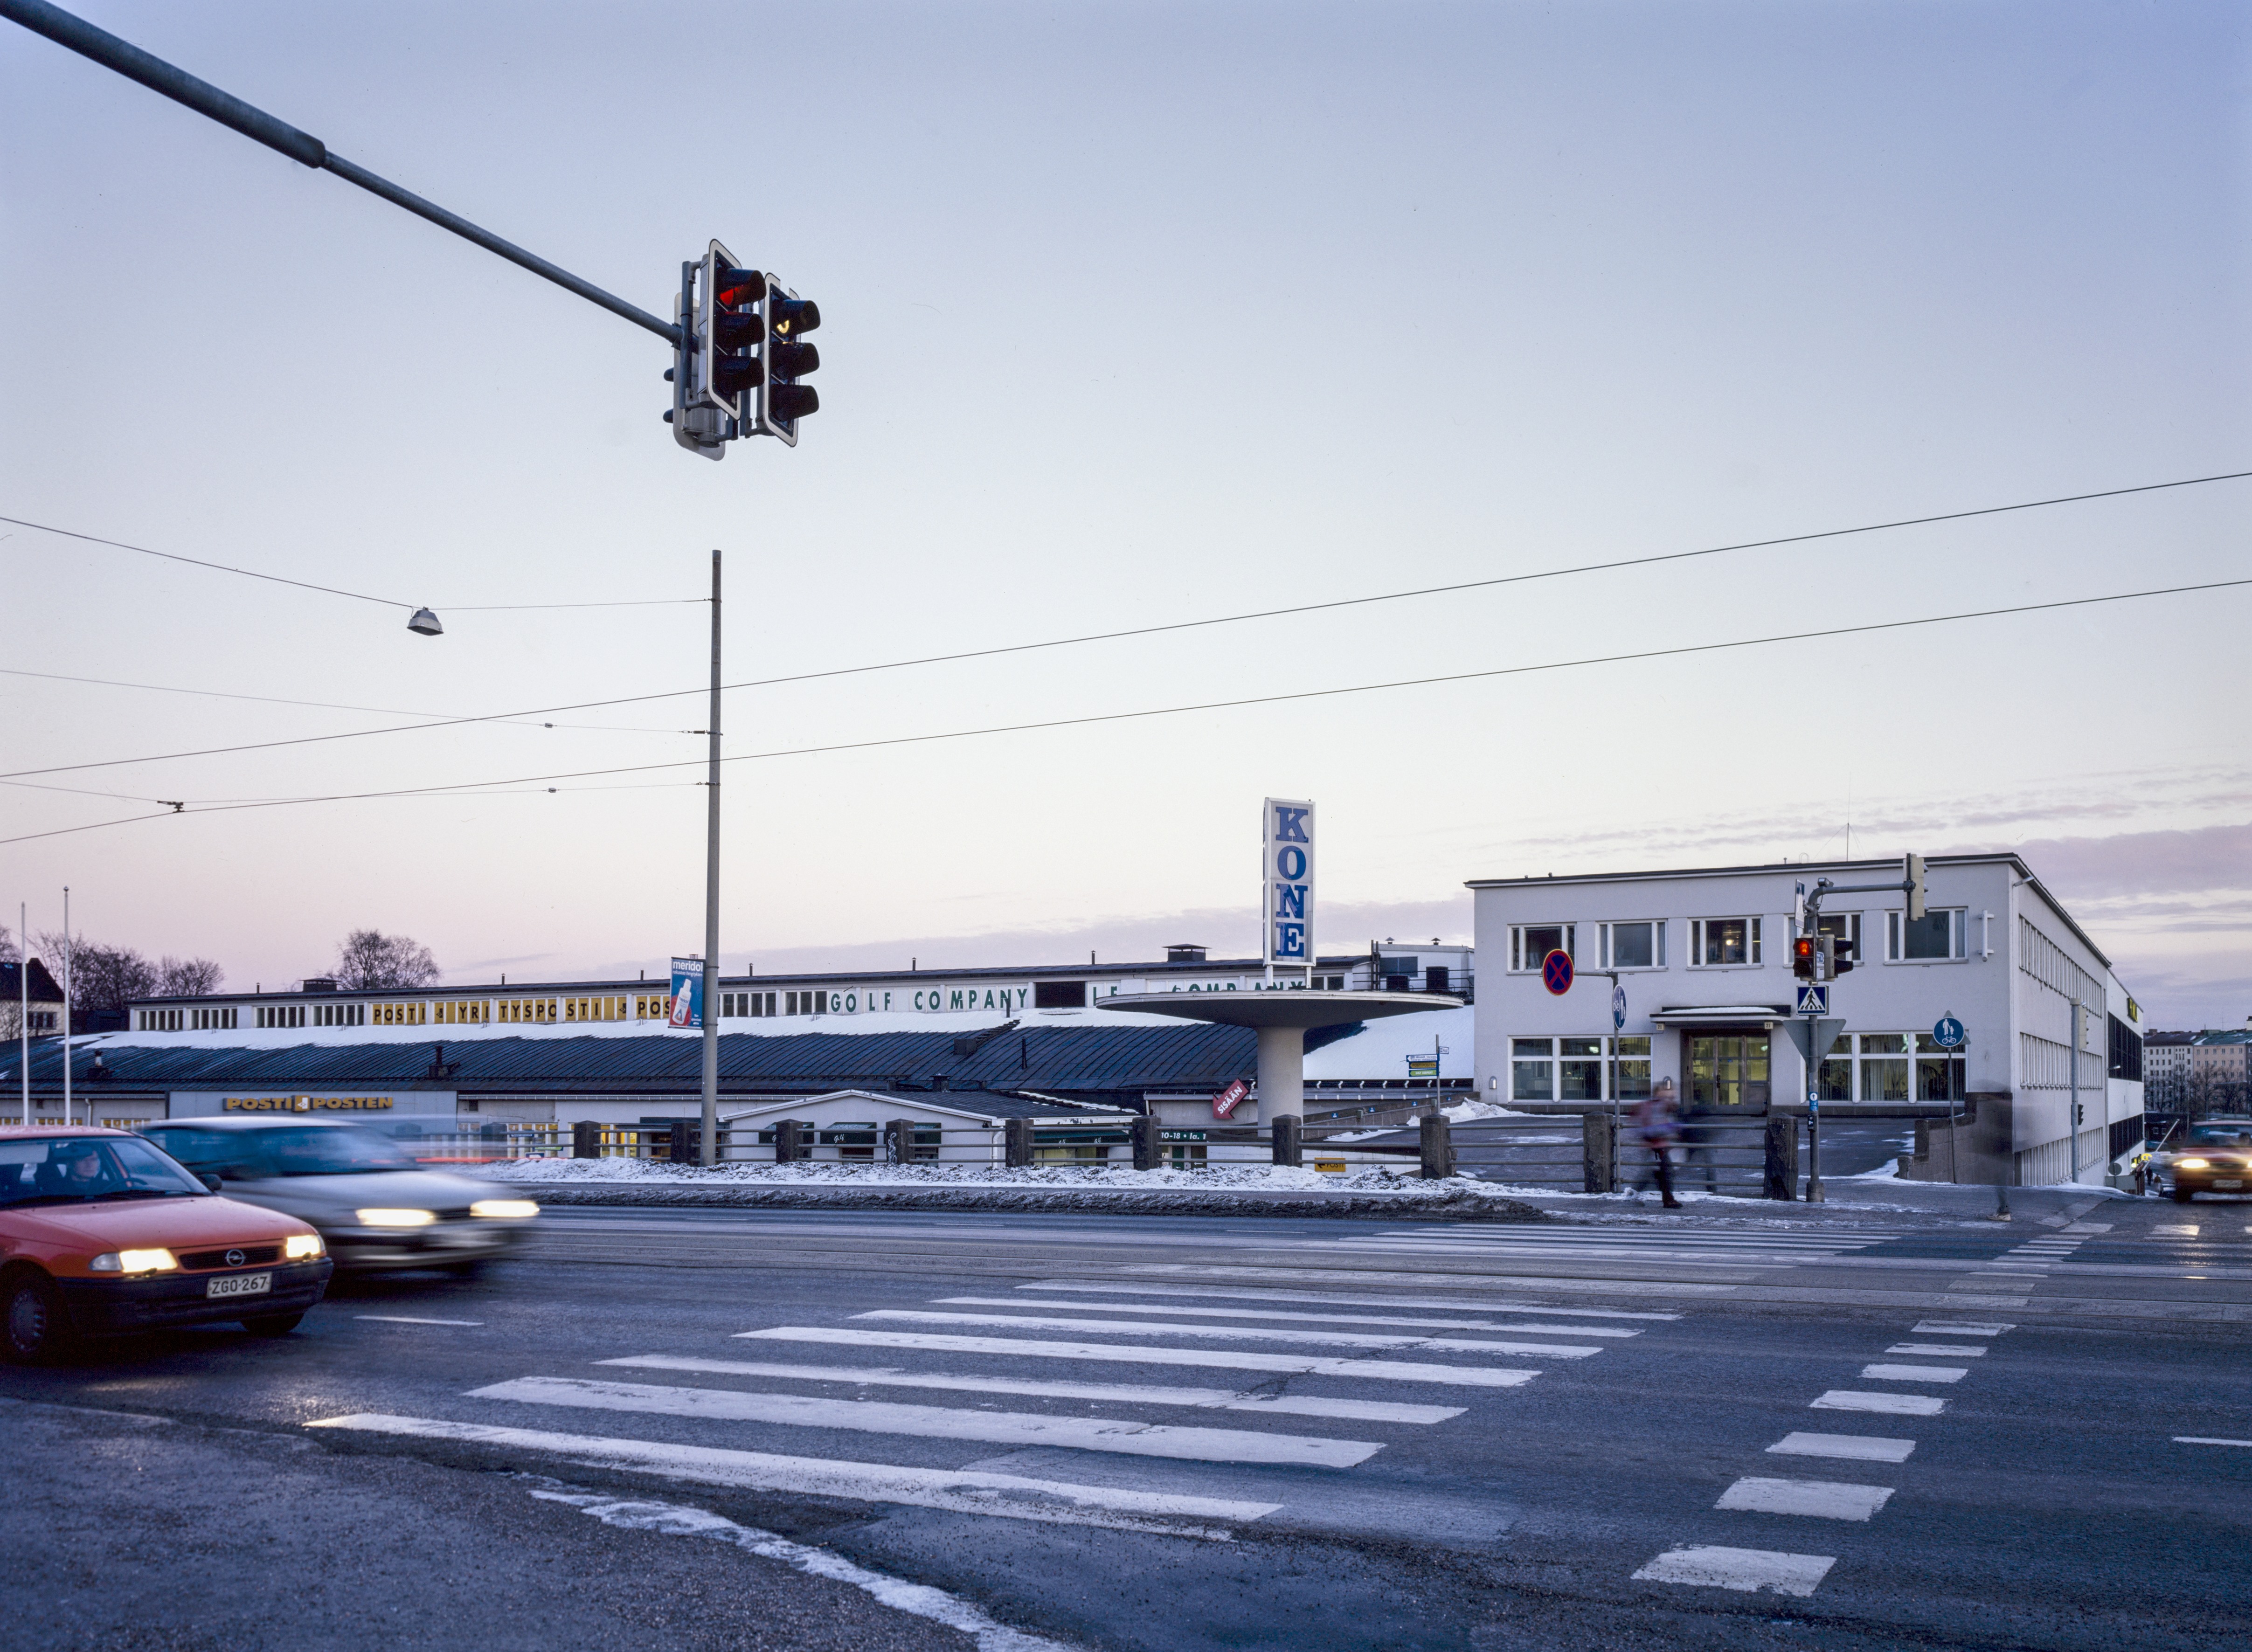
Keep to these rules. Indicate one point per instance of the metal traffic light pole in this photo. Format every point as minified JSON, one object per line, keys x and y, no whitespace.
{"x":228,"y":110}
{"x":1911,"y":881}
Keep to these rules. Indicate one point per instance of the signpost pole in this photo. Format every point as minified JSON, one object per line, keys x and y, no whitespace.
{"x":1813,"y":1114}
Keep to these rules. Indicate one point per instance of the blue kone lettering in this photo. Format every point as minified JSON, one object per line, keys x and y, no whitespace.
{"x":1289,"y":900}
{"x":1290,"y":825}
{"x":1290,"y":863}
{"x":1289,"y":941}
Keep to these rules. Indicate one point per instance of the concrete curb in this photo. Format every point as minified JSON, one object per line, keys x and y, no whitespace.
{"x":1454,"y":1207}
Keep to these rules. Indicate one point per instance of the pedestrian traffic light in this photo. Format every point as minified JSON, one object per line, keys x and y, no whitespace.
{"x":1803,"y":957}
{"x":783,"y":399}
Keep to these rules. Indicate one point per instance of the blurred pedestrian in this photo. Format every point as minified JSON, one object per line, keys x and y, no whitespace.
{"x":1661,"y":1127}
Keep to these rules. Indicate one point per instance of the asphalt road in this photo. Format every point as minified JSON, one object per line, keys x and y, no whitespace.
{"x":747,"y":1428}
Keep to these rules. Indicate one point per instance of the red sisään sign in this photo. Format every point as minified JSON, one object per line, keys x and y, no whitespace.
{"x":1228,"y":1099}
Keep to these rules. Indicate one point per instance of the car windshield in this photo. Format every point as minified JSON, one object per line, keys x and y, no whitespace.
{"x":79,"y":1169}
{"x":2221,"y":1132}
{"x":316,"y":1149}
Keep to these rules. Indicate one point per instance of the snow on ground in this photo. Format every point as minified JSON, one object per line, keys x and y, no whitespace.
{"x":1266,"y":1177}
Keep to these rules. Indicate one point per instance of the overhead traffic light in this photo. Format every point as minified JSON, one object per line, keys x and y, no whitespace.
{"x":739,"y":366}
{"x":1912,"y":877}
{"x":1804,"y":957}
{"x":783,"y":399}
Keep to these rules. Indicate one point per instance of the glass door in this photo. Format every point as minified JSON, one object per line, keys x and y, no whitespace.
{"x":1729,"y":1072}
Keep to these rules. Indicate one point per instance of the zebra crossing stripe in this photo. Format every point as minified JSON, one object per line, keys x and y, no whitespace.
{"x":1329,"y":1339}
{"x":1823,"y":1499}
{"x":1230,"y":1293}
{"x":1384,"y":1411}
{"x":1023,"y":1429}
{"x":1254,"y":1313}
{"x":1218,"y":1359}
{"x":1747,"y":1571}
{"x":962,"y":1490}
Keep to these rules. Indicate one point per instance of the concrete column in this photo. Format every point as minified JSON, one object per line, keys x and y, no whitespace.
{"x":1282,"y":1074}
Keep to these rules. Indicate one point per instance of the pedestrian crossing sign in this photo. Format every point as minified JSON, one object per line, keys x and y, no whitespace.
{"x":1813,"y":998}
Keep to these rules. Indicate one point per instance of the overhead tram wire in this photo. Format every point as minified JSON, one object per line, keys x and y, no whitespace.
{"x":329,"y":705}
{"x":1108,"y":637}
{"x":356,"y":596}
{"x":471,"y":787}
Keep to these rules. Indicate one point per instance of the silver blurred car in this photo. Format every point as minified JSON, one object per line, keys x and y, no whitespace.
{"x":374,"y":1205}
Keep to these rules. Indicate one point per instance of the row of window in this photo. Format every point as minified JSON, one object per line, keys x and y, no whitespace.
{"x":1724,"y":943}
{"x":204,"y":1020}
{"x":1730,"y":1070}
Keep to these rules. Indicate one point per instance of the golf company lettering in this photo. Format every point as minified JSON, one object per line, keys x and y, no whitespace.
{"x":305,"y":1103}
{"x":1287,"y":869}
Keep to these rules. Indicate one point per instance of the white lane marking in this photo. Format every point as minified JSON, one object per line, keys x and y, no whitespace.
{"x":965,"y":1492}
{"x":409,"y":1319}
{"x":1395,"y":1370}
{"x":1746,"y":1571}
{"x":2180,"y":1230}
{"x":2200,"y":1440}
{"x":1114,"y":1393}
{"x":1252,"y":1312}
{"x":2087,"y":1227}
{"x":1239,"y":1333}
{"x":1024,"y":1429}
{"x":1856,"y":1447}
{"x":1823,"y":1499}
{"x":677,"y":1520}
{"x":1630,"y":1244}
{"x":1956,"y":1328}
{"x":1891,"y":1405}
{"x":1229,"y":1293}
{"x":1913,"y":1374}
{"x":1511,"y":1235}
{"x":1951,"y":1350}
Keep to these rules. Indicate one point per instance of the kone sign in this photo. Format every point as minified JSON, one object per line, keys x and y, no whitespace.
{"x":1287,"y":867}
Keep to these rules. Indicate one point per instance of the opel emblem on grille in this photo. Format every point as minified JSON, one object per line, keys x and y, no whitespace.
{"x":236,"y":1259}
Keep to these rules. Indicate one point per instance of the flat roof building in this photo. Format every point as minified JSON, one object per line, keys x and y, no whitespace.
{"x":1700,"y":958}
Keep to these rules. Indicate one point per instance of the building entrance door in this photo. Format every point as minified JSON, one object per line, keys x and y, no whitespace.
{"x":1729,"y":1072}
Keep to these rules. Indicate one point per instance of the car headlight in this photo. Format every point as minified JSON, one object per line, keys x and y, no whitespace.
{"x":156,"y":1261}
{"x":396,"y":1218}
{"x":2192,"y":1164}
{"x":512,"y":1209}
{"x":300,"y":1247}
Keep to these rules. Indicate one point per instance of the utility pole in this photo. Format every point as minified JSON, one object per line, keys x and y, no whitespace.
{"x":711,"y":1154}
{"x":24,"y":986}
{"x":70,"y":954}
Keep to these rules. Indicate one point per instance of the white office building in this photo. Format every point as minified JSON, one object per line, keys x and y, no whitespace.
{"x":1702,"y":960}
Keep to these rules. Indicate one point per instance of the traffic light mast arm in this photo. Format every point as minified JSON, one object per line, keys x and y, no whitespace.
{"x":205,"y":98}
{"x":1913,"y":882}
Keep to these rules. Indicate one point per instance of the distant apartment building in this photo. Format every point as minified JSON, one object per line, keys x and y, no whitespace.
{"x":2220,"y":1076}
{"x":2166,"y":1070}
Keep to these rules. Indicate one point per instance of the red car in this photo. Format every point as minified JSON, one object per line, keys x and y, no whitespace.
{"x":102,"y":1234}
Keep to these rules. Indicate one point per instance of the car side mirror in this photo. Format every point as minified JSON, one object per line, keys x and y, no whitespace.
{"x":209,"y":1181}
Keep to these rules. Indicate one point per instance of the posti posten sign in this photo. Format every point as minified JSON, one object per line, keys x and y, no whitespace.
{"x":305,"y":1103}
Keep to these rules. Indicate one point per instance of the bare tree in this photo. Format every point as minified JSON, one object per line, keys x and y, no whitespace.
{"x":101,"y":976}
{"x":9,"y":953}
{"x":187,"y":977}
{"x":367,"y":958}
